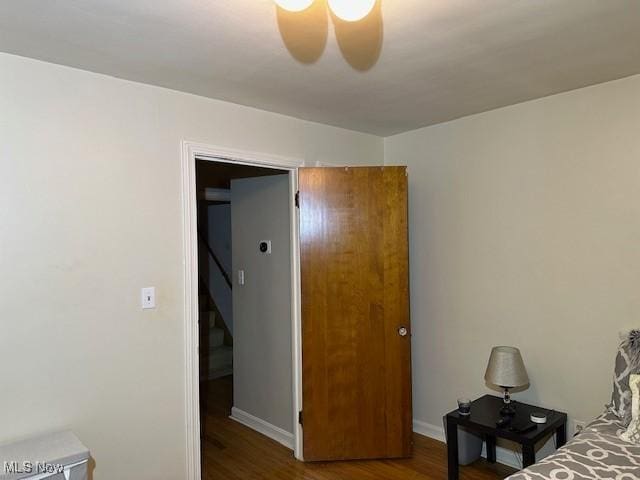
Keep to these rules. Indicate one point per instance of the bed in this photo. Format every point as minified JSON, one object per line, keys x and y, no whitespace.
{"x":596,"y":453}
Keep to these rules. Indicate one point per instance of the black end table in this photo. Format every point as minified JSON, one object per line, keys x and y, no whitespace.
{"x":485,"y":413}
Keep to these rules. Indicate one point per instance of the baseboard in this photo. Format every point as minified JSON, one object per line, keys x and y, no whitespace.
{"x":428,"y":430}
{"x":265,"y":428}
{"x":503,"y":455}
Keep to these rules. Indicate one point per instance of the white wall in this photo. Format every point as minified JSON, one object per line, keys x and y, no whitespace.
{"x":262,"y":355}
{"x":525,"y":230}
{"x":90,"y":212}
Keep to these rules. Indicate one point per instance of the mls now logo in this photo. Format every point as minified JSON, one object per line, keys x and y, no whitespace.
{"x":31,"y":467}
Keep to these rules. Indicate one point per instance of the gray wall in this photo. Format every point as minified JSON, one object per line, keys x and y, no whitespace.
{"x":524,"y":230}
{"x":262,"y":307}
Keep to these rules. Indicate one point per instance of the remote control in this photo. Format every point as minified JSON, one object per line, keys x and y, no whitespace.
{"x":533,"y":426}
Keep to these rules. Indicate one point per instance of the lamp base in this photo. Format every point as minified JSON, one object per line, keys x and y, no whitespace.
{"x":507,"y":410}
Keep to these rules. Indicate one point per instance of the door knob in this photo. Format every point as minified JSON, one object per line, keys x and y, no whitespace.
{"x":403,"y":332}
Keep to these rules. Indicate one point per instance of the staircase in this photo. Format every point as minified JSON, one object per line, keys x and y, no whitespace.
{"x":216,"y":350}
{"x":215,"y":306}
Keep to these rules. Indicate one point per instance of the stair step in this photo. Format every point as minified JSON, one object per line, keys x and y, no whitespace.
{"x":216,"y":338}
{"x":213,"y":374}
{"x":220,"y":357}
{"x":216,"y":363}
{"x":211,"y":316}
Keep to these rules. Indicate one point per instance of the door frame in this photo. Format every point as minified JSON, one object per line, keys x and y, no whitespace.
{"x":192,"y":151}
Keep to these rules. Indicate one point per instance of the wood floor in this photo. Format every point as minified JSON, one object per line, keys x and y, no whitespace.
{"x":231,"y":451}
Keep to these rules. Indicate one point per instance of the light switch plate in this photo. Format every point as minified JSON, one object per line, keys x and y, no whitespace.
{"x":240,"y":277}
{"x":148,"y":298}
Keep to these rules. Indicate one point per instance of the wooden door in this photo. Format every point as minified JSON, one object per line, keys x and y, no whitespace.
{"x":356,"y":357}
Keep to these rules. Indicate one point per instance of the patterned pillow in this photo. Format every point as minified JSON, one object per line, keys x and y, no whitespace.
{"x":632,"y":434}
{"x":627,"y":363}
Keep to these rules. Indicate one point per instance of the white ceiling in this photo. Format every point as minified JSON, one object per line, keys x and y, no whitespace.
{"x":439,"y":59}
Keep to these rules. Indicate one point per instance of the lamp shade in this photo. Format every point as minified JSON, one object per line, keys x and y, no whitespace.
{"x":506,"y":368}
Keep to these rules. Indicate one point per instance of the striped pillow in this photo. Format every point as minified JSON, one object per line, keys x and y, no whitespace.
{"x":627,"y":363}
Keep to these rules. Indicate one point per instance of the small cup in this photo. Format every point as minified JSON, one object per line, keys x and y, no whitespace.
{"x":464,"y":406}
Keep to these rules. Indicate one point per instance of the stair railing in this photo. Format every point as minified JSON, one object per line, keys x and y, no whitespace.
{"x":216,"y":260}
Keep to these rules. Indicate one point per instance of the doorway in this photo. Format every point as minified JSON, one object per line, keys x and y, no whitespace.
{"x":348,"y":231}
{"x":244,"y":299}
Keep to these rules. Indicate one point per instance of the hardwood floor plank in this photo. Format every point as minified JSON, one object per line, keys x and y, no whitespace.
{"x":231,"y":451}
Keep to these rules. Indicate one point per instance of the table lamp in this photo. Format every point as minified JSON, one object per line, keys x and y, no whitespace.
{"x":506,"y":370}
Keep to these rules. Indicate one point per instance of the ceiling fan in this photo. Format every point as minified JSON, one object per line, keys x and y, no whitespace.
{"x":347,"y":10}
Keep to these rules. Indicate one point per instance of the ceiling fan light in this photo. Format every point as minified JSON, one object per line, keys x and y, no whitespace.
{"x":351,"y":10}
{"x":294,"y":5}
